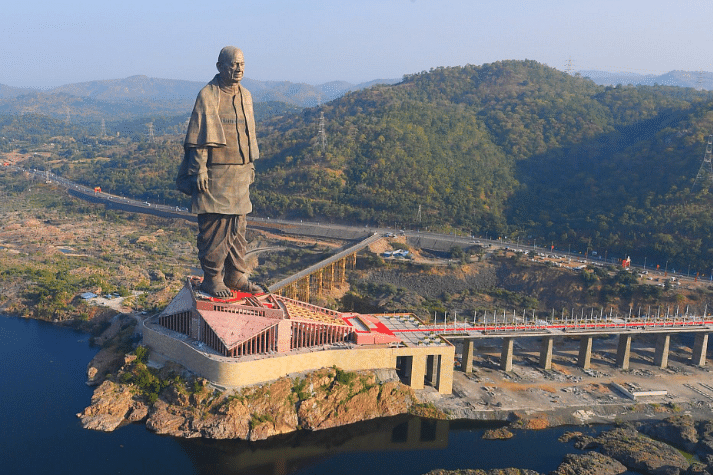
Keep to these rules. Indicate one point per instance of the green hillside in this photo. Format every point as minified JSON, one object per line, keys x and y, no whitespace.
{"x":513,"y":148}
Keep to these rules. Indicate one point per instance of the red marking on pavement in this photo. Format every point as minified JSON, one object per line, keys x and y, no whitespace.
{"x":582,"y":326}
{"x":236,"y":296}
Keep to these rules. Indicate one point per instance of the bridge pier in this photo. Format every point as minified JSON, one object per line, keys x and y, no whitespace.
{"x":467,"y":359}
{"x":506,"y":354}
{"x":418,"y":371}
{"x":303,"y":290}
{"x":585,"y":352}
{"x":407,"y":371}
{"x":546,"y":353}
{"x":444,"y":380}
{"x":700,"y":348}
{"x":662,"y":346}
{"x":433,"y":363}
{"x":623,"y":351}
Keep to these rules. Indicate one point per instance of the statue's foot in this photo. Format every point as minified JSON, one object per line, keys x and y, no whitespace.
{"x":216,"y":289}
{"x":244,"y":285}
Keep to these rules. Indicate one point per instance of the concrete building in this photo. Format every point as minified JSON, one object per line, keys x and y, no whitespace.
{"x":258,"y":338}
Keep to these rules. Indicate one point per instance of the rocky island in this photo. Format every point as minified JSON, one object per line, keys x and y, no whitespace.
{"x":170,"y":404}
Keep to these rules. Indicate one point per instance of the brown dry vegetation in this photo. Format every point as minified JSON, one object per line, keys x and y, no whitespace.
{"x":508,"y":282}
{"x":54,"y":247}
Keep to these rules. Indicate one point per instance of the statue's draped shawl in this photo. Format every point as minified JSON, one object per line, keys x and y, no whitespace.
{"x":204,"y":127}
{"x":205,"y":130}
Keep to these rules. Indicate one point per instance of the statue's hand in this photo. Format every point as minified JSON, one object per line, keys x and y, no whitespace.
{"x":202,"y":182}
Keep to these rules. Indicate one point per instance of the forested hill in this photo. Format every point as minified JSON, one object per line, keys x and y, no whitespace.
{"x":512,"y":147}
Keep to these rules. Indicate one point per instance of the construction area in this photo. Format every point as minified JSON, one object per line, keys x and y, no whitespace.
{"x":569,"y":394}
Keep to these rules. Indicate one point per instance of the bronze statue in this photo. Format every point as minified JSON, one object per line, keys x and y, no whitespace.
{"x":217,"y":170}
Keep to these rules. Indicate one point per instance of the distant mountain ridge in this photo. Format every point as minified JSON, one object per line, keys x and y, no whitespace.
{"x":140,"y":95}
{"x":695,"y":79}
{"x":127,"y":97}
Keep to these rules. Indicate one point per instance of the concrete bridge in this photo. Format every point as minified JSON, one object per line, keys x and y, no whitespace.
{"x":586,"y":329}
{"x":323,"y":276}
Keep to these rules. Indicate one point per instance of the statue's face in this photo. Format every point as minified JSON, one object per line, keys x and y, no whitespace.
{"x":231,"y":70}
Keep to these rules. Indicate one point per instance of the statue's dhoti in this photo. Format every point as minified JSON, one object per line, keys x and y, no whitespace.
{"x":222,"y":246}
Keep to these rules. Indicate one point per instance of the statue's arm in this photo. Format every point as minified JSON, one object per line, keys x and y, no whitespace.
{"x":197,"y":166}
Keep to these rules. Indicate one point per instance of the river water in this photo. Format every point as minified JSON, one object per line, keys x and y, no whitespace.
{"x":43,"y":373}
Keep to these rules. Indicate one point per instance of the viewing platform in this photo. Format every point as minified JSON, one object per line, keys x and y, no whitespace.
{"x":258,"y":338}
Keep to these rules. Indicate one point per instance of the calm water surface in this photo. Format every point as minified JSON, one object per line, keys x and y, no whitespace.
{"x":43,"y":372}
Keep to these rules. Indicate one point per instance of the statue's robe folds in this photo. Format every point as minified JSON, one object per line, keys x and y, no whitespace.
{"x":223,"y":149}
{"x":221,"y":144}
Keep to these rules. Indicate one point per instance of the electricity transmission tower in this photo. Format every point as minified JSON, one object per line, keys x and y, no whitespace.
{"x":102,"y":129}
{"x":568,"y":66}
{"x":322,"y":132}
{"x":706,"y":170}
{"x":700,"y":79}
{"x":150,"y":133}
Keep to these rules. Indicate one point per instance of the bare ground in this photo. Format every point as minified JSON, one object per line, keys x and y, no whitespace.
{"x":567,"y":394}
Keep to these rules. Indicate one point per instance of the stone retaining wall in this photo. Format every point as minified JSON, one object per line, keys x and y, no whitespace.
{"x":230,"y":372}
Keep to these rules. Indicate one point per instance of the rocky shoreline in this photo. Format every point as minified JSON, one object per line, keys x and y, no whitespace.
{"x":648,"y":439}
{"x":677,"y":445}
{"x":172,"y":404}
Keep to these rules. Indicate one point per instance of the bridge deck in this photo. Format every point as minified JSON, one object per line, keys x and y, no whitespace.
{"x":330,"y":260}
{"x":589,"y":328}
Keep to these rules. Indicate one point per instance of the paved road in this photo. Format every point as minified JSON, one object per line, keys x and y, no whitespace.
{"x":419,"y":239}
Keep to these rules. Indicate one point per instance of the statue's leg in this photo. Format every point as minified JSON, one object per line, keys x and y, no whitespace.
{"x":236,"y":276}
{"x":213,"y":242}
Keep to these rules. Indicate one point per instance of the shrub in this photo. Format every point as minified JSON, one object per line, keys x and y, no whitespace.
{"x":344,"y":377}
{"x":298,"y":388}
{"x":142,"y":354}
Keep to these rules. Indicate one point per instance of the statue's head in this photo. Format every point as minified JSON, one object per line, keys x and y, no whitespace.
{"x":231,"y":65}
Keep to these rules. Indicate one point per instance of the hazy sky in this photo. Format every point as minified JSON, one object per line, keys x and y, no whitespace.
{"x":50,"y":43}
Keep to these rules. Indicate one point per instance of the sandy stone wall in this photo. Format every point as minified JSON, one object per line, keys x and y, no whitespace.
{"x":229,"y":372}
